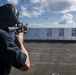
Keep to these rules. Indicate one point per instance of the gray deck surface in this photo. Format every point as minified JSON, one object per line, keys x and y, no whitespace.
{"x":50,"y":59}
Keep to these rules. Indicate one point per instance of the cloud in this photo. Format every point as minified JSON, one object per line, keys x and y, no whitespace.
{"x":13,"y":1}
{"x":36,"y":11}
{"x":35,"y":1}
{"x":35,"y":25}
{"x":61,"y":6}
{"x":24,"y":12}
{"x":67,"y":19}
{"x":38,"y":7}
{"x":38,"y":1}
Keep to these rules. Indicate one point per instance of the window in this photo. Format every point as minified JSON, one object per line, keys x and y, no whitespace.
{"x":61,"y":32}
{"x":73,"y":31}
{"x":49,"y":32}
{"x":37,"y":32}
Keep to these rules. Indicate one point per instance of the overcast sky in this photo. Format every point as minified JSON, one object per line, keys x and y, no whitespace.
{"x":45,"y":12}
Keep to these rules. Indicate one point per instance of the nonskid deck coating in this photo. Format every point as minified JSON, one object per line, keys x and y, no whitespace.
{"x":50,"y":58}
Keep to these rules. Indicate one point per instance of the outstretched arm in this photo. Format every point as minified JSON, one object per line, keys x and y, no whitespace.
{"x":19,"y":42}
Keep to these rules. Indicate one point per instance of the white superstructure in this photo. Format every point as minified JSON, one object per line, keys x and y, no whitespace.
{"x":52,"y":33}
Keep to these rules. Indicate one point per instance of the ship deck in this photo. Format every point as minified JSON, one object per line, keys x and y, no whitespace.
{"x":50,"y":58}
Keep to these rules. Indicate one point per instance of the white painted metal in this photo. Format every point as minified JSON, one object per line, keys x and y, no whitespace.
{"x":41,"y":34}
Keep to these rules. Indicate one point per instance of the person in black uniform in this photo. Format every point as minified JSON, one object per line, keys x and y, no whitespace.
{"x":12,"y":53}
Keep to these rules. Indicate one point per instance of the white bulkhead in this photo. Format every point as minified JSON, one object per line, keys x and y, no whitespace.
{"x":51,"y":34}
